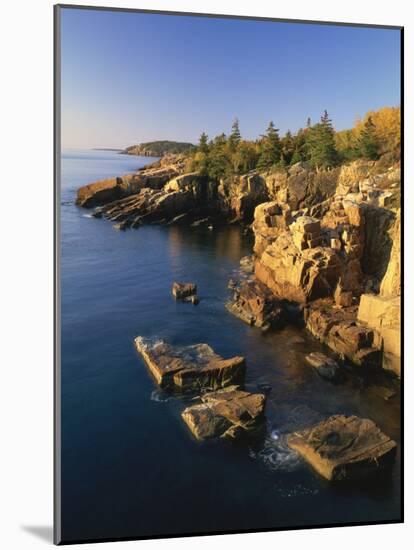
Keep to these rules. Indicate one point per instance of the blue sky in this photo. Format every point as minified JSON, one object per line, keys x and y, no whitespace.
{"x":133,"y":77}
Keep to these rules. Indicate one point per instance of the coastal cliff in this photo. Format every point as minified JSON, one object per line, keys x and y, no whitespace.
{"x":326,"y":241}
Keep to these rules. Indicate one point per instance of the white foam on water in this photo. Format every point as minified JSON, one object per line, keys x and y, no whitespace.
{"x":276,"y":455}
{"x":160,"y":396}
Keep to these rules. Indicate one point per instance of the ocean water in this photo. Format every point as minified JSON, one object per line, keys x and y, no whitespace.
{"x":130,"y":467}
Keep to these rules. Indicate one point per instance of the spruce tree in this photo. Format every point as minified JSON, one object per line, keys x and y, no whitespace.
{"x":320,"y":140}
{"x":203,"y":143}
{"x":235,"y":136}
{"x":270,"y":148}
{"x":368,"y":143}
{"x":288,"y":148}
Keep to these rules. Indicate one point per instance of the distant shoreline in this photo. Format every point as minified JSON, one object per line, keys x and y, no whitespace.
{"x":107,"y":149}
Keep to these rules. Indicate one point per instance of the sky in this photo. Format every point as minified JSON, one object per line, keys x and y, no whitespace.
{"x":134,"y":77}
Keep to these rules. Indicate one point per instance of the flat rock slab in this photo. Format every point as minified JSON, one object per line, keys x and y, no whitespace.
{"x":190,"y":368}
{"x":325,"y":366}
{"x":344,"y":447}
{"x":227,"y":413}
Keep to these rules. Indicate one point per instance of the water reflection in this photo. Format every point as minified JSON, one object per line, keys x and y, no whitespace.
{"x":229,"y":243}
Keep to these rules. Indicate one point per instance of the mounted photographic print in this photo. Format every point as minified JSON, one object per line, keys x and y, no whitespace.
{"x":228,"y":274}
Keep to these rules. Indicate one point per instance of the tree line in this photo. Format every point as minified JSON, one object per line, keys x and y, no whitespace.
{"x":317,"y":144}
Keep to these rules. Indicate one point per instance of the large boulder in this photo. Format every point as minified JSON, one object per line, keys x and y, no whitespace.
{"x":342,"y":333}
{"x":191,"y":181}
{"x":298,"y":275}
{"x":256,"y":305}
{"x":189,"y":368}
{"x":350,"y":176}
{"x":325,"y":366}
{"x":156,"y":178}
{"x":227,"y":413}
{"x":270,"y":219}
{"x":342,"y":448}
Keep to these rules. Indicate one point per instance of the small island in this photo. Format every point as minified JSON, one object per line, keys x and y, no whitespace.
{"x":158,"y":148}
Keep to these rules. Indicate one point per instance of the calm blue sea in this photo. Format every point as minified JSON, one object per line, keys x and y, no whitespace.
{"x":130,"y":468}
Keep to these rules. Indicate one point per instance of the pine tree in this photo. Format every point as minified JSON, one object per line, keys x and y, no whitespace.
{"x":235,"y":136}
{"x":308,"y":122}
{"x":368,"y":143}
{"x":270,"y":148}
{"x":320,"y":141}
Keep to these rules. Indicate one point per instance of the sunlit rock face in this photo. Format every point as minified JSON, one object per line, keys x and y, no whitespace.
{"x":339,"y":250}
{"x":228,"y":413}
{"x":190,"y":368}
{"x":342,"y":448}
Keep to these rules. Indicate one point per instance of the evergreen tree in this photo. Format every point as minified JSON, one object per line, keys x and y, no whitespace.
{"x":219,"y":161}
{"x":296,"y":157}
{"x":270,"y":148}
{"x":368,"y":143}
{"x":308,"y":122}
{"x":320,"y":140}
{"x":203,"y":143}
{"x":235,"y":135}
{"x":288,"y":148}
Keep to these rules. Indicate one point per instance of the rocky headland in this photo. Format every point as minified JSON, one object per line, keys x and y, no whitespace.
{"x":326,"y":254}
{"x":326,"y":242}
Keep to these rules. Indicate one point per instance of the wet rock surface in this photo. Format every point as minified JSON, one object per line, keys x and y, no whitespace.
{"x":227,"y":413}
{"x":190,"y":368}
{"x":343,"y":448}
{"x":325,"y":366}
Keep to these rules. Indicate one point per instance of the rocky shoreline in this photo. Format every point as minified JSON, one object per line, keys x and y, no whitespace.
{"x":326,"y":255}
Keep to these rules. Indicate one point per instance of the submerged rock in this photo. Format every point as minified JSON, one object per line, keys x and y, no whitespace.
{"x":255,"y":304}
{"x":325,"y":366}
{"x":227,"y":413}
{"x":342,"y":447}
{"x":190,"y":368}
